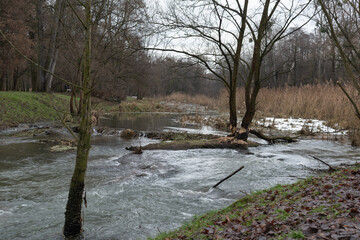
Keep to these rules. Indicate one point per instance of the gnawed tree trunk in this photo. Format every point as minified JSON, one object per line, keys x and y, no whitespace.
{"x":73,"y":219}
{"x":272,"y":140}
{"x":233,"y":113}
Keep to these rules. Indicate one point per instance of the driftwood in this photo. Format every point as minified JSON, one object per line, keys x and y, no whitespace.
{"x":238,"y":170}
{"x":272,"y":140}
{"x":331,"y":168}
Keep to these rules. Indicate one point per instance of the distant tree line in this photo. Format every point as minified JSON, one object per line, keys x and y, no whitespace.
{"x":49,"y":33}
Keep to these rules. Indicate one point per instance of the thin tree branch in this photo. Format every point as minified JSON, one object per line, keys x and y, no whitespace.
{"x":36,"y":64}
{"x":350,"y":99}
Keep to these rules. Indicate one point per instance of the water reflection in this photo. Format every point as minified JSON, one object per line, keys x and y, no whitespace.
{"x":140,"y":121}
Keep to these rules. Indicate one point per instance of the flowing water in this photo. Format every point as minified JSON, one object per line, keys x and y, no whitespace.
{"x":137,"y":196}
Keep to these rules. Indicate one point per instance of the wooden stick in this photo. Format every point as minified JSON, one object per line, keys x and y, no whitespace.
{"x":228,"y":177}
{"x":330,"y":167}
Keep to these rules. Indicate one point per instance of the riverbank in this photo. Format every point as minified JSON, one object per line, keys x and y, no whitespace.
{"x":325,"y":207}
{"x":32,"y":107}
{"x":25,"y":107}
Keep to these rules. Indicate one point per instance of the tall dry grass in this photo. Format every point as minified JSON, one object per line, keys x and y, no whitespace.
{"x":324,"y":102}
{"x":210,"y":102}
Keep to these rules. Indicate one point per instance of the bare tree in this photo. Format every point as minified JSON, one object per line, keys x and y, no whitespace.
{"x":342,"y":25}
{"x":73,"y":219}
{"x":14,"y":22}
{"x":231,"y":39}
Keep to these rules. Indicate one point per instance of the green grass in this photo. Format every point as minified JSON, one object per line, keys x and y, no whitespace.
{"x":296,"y":235}
{"x":26,"y":107}
{"x":30,"y":107}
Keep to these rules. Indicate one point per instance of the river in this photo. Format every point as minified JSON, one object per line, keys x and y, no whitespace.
{"x":137,"y":196}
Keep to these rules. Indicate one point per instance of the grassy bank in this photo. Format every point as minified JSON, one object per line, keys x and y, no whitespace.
{"x":145,"y":105}
{"x":324,"y":102}
{"x":325,"y":207}
{"x":25,"y":107}
{"x":30,"y":107}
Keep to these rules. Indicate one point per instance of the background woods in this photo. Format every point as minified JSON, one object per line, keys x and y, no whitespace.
{"x":205,"y":47}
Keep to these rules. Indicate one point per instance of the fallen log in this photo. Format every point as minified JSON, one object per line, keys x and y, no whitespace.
{"x":229,"y":176}
{"x":196,"y":144}
{"x":272,"y":140}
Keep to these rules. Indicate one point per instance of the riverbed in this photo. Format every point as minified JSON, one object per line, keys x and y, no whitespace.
{"x":137,"y":196}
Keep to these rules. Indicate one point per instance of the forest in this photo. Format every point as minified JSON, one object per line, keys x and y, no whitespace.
{"x":49,"y":33}
{"x":258,"y":60}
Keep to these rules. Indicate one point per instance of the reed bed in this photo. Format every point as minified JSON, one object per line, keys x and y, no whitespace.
{"x":210,"y":102}
{"x":324,"y":102}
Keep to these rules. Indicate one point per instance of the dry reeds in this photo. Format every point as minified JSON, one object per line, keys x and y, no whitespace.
{"x":211,"y":103}
{"x":324,"y":102}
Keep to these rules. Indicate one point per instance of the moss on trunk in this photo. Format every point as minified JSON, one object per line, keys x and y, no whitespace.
{"x":73,"y":220}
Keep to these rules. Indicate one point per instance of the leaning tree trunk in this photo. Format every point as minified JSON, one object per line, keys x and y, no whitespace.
{"x":73,"y":219}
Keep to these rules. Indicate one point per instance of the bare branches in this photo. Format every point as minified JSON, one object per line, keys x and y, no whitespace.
{"x":340,"y":48}
{"x":333,"y":22}
{"x":36,"y":64}
{"x":76,"y":14}
{"x":214,"y":32}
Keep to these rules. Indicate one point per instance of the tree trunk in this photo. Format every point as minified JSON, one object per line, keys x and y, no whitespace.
{"x":53,"y":44}
{"x":72,"y":111}
{"x":3,"y":82}
{"x":34,"y":78}
{"x":253,"y":84}
{"x":15,"y":79}
{"x":232,"y":108}
{"x":73,"y":220}
{"x":80,"y":102}
{"x":41,"y":45}
{"x":235,"y":72}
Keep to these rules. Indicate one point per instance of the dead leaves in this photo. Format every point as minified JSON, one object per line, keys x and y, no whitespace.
{"x":320,"y":208}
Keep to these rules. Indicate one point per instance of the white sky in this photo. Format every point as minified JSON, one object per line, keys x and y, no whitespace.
{"x":190,"y":43}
